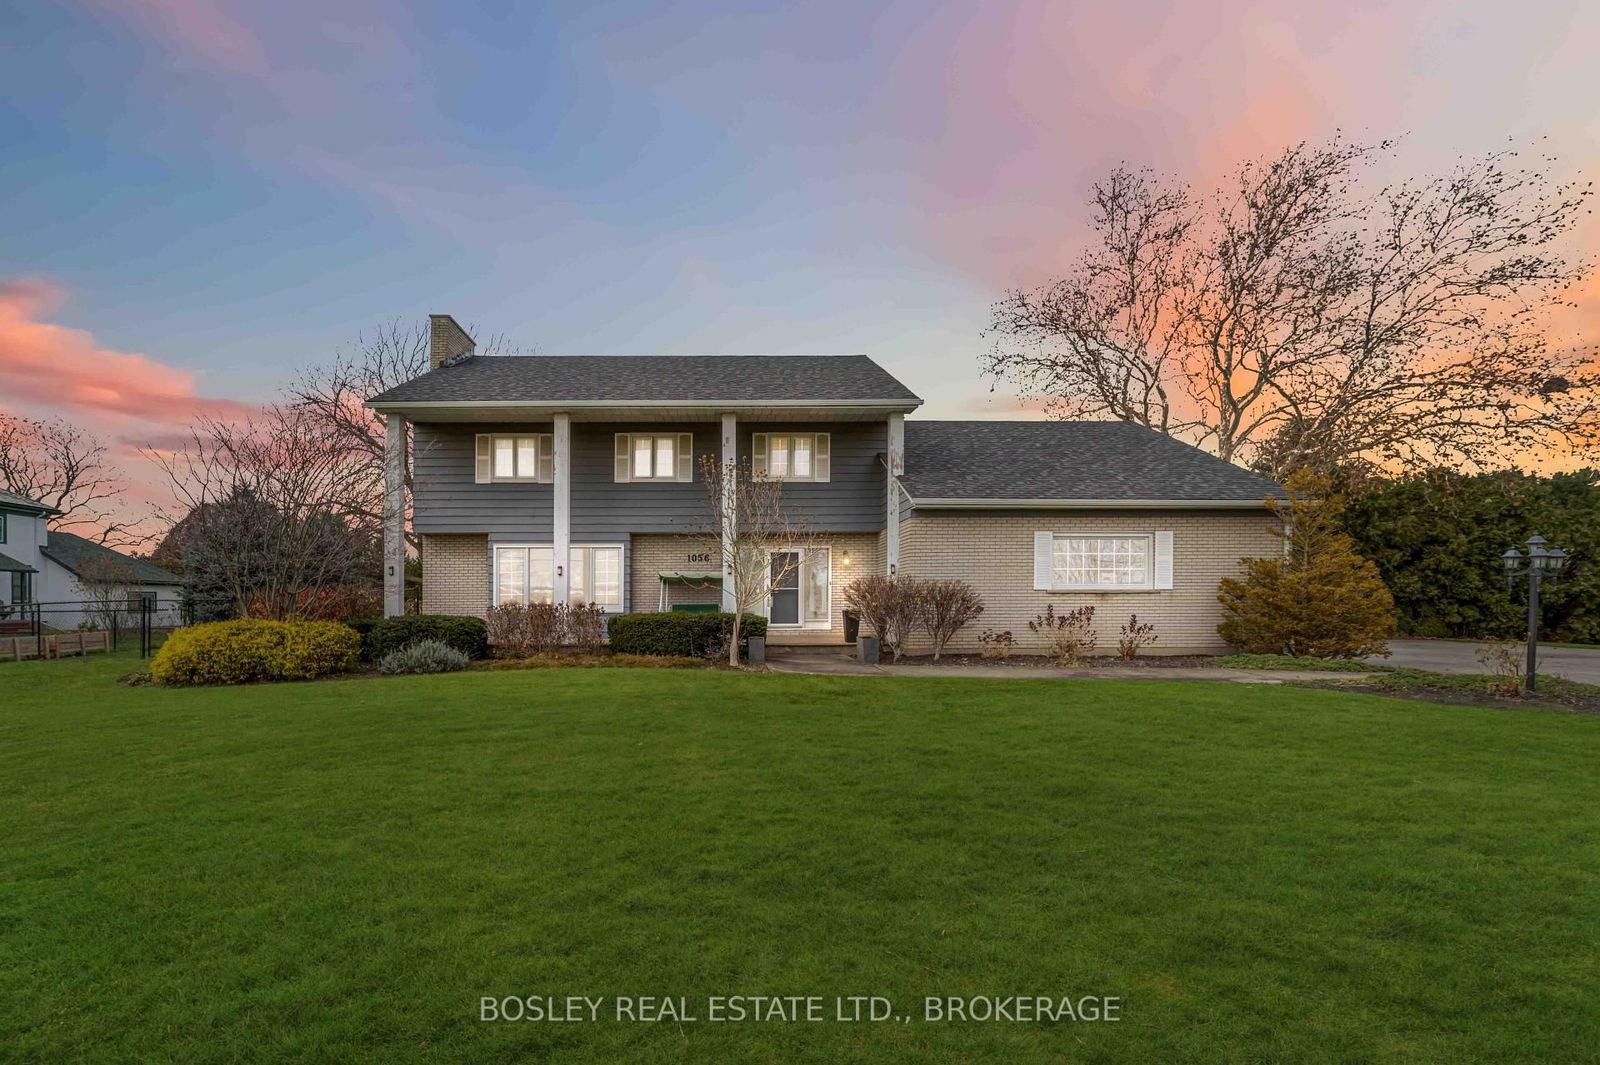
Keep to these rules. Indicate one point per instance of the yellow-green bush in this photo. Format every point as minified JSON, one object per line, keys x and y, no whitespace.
{"x":238,"y":652}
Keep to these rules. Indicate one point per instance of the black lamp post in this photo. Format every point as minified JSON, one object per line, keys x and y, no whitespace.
{"x":1536,"y":565}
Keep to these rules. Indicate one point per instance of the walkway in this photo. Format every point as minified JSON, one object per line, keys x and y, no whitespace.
{"x":1461,"y":656}
{"x":836,"y":662}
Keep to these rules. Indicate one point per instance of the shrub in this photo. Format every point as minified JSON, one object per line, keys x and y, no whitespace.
{"x":586,"y":626}
{"x":1503,"y":661}
{"x":424,"y":656}
{"x":945,"y":608}
{"x":1069,"y":635}
{"x":1317,"y":598}
{"x":238,"y":652}
{"x":1133,"y":636}
{"x":522,"y":629}
{"x":891,"y":607}
{"x":996,"y":645}
{"x":681,"y":634}
{"x":467,"y":635}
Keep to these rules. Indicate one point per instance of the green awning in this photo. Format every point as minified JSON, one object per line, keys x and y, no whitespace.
{"x":675,"y":575}
{"x":11,"y":565}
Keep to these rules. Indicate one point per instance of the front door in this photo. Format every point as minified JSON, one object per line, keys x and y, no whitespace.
{"x":785,"y":588}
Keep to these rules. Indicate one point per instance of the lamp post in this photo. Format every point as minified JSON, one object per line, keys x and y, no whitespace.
{"x":1536,"y":565}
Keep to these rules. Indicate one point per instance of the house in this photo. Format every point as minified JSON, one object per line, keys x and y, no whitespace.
{"x":72,"y":581}
{"x":577,"y":477}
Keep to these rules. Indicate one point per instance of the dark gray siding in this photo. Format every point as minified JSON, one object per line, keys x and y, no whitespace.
{"x":445,"y":499}
{"x":602,"y":507}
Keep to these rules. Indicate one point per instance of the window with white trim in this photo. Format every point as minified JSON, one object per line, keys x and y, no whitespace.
{"x":654,"y":457}
{"x":515,"y":457}
{"x":525,"y":574}
{"x":792,"y":456}
{"x":1101,"y":562}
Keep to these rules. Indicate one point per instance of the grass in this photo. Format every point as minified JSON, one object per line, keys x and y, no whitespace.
{"x":1325,"y":665}
{"x":337,"y":871}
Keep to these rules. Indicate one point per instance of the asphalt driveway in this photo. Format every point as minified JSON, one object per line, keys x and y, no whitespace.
{"x":1461,"y":656}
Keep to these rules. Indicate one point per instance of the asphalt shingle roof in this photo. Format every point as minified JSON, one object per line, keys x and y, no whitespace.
{"x":74,"y":551}
{"x":1067,"y":460}
{"x":634,"y":378}
{"x":11,"y":565}
{"x":11,"y":499}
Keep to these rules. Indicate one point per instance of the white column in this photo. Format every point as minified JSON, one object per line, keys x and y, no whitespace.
{"x":729,"y":459}
{"x":561,"y":510}
{"x":896,"y":456}
{"x":394,"y":516}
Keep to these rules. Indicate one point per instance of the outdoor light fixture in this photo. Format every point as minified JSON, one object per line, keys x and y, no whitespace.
{"x":1536,"y":565}
{"x":844,"y":557}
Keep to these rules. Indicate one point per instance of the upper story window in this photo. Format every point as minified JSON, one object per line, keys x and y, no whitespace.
{"x":654,"y":457}
{"x":2,"y":528}
{"x":515,"y":457}
{"x":792,"y":456}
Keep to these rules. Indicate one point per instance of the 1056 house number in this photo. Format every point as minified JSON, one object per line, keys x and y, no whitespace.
{"x":699,"y":556}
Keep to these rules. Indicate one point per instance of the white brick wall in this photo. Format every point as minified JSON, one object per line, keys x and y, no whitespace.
{"x":993,"y":550}
{"x":455,"y":574}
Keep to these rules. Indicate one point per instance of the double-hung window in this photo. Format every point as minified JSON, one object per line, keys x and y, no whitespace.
{"x":2,"y":528}
{"x":654,"y":457}
{"x":1102,"y":562}
{"x":792,"y":456}
{"x":526,"y":574}
{"x":515,"y":457}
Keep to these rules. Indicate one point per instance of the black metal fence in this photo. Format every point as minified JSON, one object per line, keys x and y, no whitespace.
{"x":142,"y":621}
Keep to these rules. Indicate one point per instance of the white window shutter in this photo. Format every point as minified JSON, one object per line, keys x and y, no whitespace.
{"x":1163,"y":560}
{"x":685,"y":456}
{"x":480,"y":465}
{"x":1044,"y":544}
{"x":624,"y":458}
{"x":822,"y":456}
{"x":758,"y":454}
{"x":547,"y":457}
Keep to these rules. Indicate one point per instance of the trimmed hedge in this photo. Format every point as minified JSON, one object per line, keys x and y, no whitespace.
{"x":470,"y":636}
{"x":238,"y":652}
{"x":681,"y":634}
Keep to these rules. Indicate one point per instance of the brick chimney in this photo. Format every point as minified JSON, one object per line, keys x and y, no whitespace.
{"x":447,"y":340}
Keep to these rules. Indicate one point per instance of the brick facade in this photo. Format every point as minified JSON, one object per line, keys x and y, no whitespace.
{"x":993,"y":550}
{"x":455,"y":574}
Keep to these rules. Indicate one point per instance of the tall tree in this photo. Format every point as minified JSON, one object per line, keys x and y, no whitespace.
{"x":1295,"y":318}
{"x":333,"y":396}
{"x":56,"y":463}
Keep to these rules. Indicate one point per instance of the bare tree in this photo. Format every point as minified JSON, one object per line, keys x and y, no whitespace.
{"x":759,"y":543}
{"x":1293,"y":318}
{"x":106,"y":582}
{"x":268,"y":523}
{"x":334,"y":395}
{"x":60,"y":465}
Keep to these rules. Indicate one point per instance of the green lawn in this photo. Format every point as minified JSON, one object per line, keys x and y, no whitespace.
{"x":337,"y":872}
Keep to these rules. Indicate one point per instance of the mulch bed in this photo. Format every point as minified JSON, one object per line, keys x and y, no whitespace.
{"x":1037,"y":661}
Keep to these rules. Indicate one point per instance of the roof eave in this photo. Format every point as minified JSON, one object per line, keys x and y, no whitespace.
{"x":966,"y":503}
{"x":887,"y":406}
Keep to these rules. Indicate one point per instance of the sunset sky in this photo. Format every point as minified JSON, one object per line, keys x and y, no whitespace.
{"x":198,"y":197}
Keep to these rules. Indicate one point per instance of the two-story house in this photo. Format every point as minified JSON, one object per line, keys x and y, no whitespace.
{"x":578,"y":478}
{"x":68,"y":578}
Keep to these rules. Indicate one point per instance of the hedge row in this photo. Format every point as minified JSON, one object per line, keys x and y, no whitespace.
{"x":238,"y":652}
{"x":382,"y":636}
{"x":681,"y":634}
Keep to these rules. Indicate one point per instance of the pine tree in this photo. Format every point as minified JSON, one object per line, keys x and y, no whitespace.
{"x":1319,"y":598}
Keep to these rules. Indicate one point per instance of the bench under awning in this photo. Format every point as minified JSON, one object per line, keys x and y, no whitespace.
{"x":683,"y":576}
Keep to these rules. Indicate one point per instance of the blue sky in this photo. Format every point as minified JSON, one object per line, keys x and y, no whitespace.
{"x":209,"y":194}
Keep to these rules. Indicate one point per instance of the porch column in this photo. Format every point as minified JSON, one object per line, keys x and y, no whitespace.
{"x":896,"y":461}
{"x":561,"y":511}
{"x":730,"y":484}
{"x":394,"y":516}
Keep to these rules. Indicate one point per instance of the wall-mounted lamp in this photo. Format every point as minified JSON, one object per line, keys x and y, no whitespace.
{"x":844,"y":558}
{"x":560,"y":572}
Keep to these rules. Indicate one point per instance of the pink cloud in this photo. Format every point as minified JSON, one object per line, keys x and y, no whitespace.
{"x":204,"y":29}
{"x":64,"y":369}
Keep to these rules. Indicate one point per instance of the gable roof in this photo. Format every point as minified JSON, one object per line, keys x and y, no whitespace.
{"x":73,"y":552}
{"x":1068,"y":463}
{"x":653,"y":379}
{"x":13,"y":501}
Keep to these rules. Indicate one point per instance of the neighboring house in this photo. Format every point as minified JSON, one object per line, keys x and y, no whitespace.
{"x":73,"y":580}
{"x":524,"y":461}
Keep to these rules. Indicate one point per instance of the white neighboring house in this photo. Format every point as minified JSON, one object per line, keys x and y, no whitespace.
{"x":51,"y":568}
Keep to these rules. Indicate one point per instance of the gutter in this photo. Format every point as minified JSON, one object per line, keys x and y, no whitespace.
{"x":1088,"y":504}
{"x":580,"y":404}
